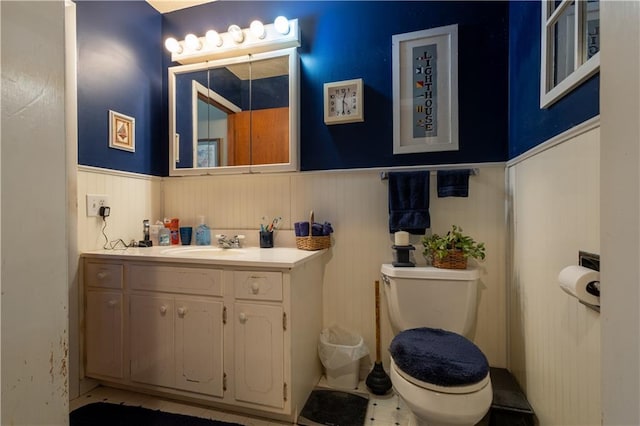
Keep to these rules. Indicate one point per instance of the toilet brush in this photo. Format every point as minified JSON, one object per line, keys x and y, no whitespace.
{"x":377,"y":381}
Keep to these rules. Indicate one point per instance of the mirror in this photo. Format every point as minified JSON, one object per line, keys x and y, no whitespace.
{"x":234,"y":115}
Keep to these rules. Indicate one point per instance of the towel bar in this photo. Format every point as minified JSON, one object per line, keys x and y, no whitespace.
{"x":474,"y":172}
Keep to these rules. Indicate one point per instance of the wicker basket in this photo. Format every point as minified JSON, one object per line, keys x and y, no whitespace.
{"x":454,"y":260}
{"x":311,"y":242}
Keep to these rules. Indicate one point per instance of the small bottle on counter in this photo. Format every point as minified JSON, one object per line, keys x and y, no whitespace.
{"x":164,"y":237}
{"x":174,"y":226}
{"x":203,"y":233}
{"x":154,"y":233}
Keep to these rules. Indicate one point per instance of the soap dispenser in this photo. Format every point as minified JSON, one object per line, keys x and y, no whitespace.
{"x":203,"y":233}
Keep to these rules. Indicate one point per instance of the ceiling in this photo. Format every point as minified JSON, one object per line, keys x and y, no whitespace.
{"x":164,"y":6}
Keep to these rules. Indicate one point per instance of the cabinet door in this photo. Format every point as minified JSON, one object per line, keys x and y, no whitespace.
{"x":270,"y":136}
{"x":198,"y":351}
{"x":104,"y":334}
{"x":259,"y":354}
{"x":151,"y":339}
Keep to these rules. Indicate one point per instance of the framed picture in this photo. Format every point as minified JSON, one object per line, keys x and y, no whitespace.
{"x":122,"y":131}
{"x":343,"y":102}
{"x":425,"y":90}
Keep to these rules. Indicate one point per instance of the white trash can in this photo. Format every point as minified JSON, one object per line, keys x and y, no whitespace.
{"x":340,"y":352}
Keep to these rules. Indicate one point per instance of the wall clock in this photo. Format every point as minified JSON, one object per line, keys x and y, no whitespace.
{"x":343,"y":102}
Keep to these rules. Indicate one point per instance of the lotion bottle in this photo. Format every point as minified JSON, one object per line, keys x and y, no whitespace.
{"x":203,"y":233}
{"x":164,"y":236}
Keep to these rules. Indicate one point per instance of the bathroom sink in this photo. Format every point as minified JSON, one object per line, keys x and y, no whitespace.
{"x":200,"y":251}
{"x":279,"y":257}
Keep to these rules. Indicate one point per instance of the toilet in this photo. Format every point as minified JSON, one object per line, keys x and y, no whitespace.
{"x":439,"y":373}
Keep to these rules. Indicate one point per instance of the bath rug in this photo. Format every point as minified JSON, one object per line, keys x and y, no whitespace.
{"x":334,"y":408}
{"x":105,"y":414}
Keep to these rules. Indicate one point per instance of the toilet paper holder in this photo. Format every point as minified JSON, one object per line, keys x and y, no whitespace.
{"x":594,"y":288}
{"x":591,"y":261}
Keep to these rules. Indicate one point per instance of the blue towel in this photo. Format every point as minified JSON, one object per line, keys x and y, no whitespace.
{"x":440,"y":357}
{"x":317,"y":229}
{"x":453,"y":183}
{"x":409,"y":202}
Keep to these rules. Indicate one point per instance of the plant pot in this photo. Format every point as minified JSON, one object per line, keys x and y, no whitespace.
{"x":453,"y":260}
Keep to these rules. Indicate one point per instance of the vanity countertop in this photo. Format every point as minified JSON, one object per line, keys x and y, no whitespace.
{"x":277,"y":257}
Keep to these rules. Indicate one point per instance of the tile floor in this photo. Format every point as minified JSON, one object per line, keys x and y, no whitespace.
{"x":388,"y":410}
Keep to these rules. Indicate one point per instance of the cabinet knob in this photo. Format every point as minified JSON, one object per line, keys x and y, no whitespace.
{"x":163,"y":309}
{"x":243,"y":317}
{"x":112,"y":303}
{"x":255,"y":287}
{"x":102,"y":275}
{"x":182,"y":311}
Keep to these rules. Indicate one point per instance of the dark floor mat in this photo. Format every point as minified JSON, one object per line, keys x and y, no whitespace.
{"x":334,"y":408}
{"x":105,"y":414}
{"x":507,"y":393}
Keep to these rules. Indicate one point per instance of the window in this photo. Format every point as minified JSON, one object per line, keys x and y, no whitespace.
{"x":570,"y":45}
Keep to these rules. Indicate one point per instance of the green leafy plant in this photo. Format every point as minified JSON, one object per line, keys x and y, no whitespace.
{"x":436,"y":245}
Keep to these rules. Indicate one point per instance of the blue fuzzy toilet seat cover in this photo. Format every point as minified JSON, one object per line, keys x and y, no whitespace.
{"x":439,"y":357}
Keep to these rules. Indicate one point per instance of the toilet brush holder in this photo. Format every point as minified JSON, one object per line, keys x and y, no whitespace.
{"x":402,"y":256}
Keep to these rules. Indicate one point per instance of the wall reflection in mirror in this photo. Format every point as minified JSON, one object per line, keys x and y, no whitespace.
{"x":234,"y":115}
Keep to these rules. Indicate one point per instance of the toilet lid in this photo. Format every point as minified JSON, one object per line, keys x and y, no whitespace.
{"x":439,"y":357}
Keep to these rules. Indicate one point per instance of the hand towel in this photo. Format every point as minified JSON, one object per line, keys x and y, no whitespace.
{"x":317,"y":229}
{"x":409,"y":202}
{"x":453,"y":183}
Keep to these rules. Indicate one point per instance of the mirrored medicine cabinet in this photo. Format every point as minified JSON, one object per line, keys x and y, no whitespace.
{"x":234,"y":115}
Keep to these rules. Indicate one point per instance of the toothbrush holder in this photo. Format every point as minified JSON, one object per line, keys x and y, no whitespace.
{"x":266,"y":239}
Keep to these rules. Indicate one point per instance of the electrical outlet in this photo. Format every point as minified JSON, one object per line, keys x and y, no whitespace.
{"x":94,"y":202}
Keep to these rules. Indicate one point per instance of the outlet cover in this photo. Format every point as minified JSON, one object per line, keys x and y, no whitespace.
{"x":94,"y":202}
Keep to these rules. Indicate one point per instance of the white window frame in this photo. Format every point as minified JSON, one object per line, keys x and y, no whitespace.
{"x":582,"y":69}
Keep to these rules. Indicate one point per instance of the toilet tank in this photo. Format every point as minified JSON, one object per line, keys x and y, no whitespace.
{"x":431,"y":297}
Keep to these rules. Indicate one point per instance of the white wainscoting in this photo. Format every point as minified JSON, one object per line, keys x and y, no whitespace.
{"x":355,"y":202}
{"x":554,"y":341}
{"x":133,"y":198}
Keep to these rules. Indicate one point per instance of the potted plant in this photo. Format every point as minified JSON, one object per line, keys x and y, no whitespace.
{"x":452,"y":250}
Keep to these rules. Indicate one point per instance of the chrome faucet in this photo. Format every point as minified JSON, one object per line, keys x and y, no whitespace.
{"x":226,"y":242}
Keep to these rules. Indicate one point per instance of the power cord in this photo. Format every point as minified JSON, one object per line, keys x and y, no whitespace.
{"x":118,"y":244}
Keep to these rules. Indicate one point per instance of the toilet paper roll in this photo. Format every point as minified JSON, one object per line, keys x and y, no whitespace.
{"x":575,"y":279}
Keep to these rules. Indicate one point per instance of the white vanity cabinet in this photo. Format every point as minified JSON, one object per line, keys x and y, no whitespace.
{"x":238,"y":335}
{"x":176,"y":342}
{"x":176,"y":339}
{"x":260,"y":324}
{"x":104,"y":319}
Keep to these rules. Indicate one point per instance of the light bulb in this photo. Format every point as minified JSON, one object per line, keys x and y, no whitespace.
{"x":236,"y":33}
{"x":192,"y":42}
{"x":281,"y":25}
{"x":213,"y":38}
{"x":257,"y":28}
{"x":173,"y":45}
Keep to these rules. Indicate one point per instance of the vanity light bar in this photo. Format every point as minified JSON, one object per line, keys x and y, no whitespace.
{"x":232,"y":43}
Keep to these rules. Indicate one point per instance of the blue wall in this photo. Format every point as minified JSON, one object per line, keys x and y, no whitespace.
{"x":344,"y":40}
{"x":120,"y":68}
{"x":528,"y":124}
